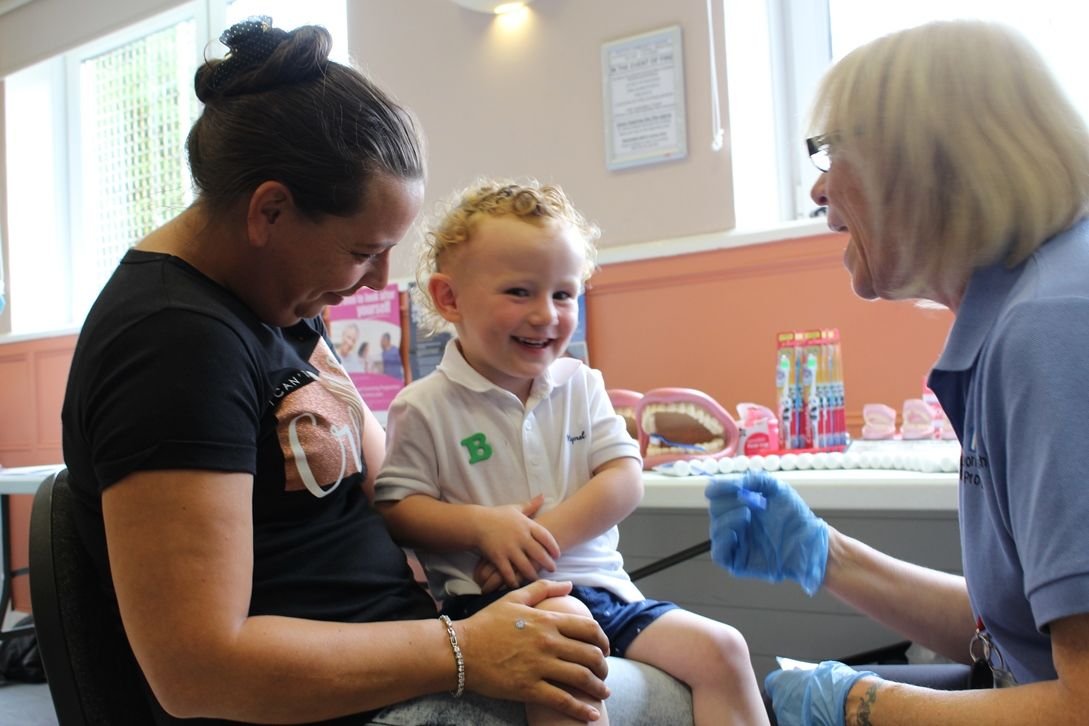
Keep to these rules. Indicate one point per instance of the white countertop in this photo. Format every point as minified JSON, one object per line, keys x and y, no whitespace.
{"x":839,"y":489}
{"x":25,"y":479}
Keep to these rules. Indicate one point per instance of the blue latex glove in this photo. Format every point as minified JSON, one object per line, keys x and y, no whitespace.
{"x":782,"y":540}
{"x":812,"y":698}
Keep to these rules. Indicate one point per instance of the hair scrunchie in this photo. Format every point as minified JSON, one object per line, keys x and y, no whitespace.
{"x":250,"y":43}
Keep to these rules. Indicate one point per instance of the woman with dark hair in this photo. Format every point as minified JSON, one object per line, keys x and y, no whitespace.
{"x":223,"y":459}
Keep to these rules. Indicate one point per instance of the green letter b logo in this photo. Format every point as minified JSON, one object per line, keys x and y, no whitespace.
{"x":478,"y":446}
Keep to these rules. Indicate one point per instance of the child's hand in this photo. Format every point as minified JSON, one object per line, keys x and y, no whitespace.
{"x":487,"y":577}
{"x":513,"y":544}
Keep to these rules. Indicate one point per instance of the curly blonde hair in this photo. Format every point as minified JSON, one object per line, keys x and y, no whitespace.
{"x":530,"y":201}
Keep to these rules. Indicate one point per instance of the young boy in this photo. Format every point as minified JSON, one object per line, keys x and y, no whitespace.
{"x":508,"y":463}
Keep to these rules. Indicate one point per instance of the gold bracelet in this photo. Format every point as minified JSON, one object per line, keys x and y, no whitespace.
{"x":458,"y":658}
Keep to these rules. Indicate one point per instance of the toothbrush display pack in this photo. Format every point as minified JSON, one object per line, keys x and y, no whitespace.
{"x":810,"y":391}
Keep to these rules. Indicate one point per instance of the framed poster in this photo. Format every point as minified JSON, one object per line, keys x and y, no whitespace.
{"x":643,"y":87}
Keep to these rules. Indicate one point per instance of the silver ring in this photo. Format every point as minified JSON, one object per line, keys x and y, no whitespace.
{"x":520,"y":624}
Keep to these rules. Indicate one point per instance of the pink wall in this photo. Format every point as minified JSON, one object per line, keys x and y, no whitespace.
{"x":32,"y":379}
{"x":708,"y":321}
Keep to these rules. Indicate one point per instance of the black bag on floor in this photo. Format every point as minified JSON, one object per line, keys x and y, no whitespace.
{"x":20,"y":660}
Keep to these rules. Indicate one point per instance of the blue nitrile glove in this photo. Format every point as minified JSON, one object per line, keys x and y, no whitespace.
{"x":782,"y":540}
{"x":812,"y":698}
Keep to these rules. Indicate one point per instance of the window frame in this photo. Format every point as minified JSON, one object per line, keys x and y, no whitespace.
{"x":79,"y":253}
{"x":54,"y":291}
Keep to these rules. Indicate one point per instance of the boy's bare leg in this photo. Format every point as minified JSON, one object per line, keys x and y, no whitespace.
{"x":712,"y":658}
{"x":541,"y":716}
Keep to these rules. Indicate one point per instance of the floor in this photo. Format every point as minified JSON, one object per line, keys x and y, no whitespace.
{"x":25,"y":704}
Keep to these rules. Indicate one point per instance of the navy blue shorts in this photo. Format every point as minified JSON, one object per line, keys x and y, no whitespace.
{"x":622,"y":621}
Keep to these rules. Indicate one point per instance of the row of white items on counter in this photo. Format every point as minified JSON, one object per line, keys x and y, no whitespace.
{"x":928,"y":457}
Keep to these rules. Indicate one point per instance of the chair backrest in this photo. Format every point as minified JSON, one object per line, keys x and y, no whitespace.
{"x":93,"y":677}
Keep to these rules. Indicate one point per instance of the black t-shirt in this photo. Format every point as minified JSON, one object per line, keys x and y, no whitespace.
{"x":171,"y":371}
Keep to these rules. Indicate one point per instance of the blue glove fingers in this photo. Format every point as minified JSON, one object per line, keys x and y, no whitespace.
{"x":729,"y":537}
{"x":763,"y":482}
{"x":781,"y":538}
{"x":787,"y":691}
{"x":722,"y":488}
{"x":765,"y":557}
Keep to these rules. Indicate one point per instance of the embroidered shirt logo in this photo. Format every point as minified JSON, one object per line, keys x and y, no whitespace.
{"x":973,"y":463}
{"x":478,"y":447}
{"x":572,"y":439}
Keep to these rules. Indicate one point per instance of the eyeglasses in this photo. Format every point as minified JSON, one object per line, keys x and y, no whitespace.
{"x":818,"y":147}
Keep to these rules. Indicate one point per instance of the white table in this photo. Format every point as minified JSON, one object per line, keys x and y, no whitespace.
{"x":839,"y":489}
{"x":15,"y":480}
{"x":25,"y":479}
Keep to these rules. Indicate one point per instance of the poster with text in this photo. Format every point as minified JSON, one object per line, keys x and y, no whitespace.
{"x":366,"y":334}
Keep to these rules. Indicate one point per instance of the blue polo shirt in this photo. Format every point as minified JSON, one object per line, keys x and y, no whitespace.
{"x":1014,"y":381}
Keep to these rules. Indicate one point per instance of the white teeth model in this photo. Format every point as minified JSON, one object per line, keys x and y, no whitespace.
{"x":654,"y":449}
{"x":692,"y":411}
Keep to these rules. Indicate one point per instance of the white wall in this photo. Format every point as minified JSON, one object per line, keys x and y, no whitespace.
{"x":527,"y":101}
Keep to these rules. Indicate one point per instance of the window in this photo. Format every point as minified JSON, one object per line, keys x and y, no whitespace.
{"x":95,"y":139}
{"x":777,"y":51}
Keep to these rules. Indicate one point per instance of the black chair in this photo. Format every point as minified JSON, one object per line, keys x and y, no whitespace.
{"x":92,"y":674}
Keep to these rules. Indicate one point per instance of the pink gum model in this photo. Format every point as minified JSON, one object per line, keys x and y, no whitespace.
{"x":879,"y":421}
{"x":624,"y":403}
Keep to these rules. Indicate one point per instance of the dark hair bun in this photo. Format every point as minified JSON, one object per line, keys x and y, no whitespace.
{"x":261,"y":57}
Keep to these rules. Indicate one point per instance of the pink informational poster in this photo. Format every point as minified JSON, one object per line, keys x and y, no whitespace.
{"x":366,"y":334}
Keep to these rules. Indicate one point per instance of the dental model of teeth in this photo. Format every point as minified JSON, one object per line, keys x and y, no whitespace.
{"x":661,"y":445}
{"x":928,"y":461}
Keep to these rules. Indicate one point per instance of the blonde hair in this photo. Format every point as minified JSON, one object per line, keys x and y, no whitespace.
{"x":529,"y":201}
{"x":967,"y":149}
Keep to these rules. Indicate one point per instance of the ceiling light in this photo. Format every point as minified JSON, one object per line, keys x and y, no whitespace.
{"x":497,"y":7}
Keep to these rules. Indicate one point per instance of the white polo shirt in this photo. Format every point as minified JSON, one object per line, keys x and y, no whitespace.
{"x":458,"y":437}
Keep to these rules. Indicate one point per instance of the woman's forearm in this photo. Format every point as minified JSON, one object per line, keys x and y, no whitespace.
{"x":284,"y":670}
{"x":924,"y":605}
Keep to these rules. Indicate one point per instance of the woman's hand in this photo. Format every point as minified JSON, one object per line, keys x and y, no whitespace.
{"x":537,"y":662}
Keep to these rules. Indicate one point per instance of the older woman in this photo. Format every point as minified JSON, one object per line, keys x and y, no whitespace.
{"x":961,"y":173}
